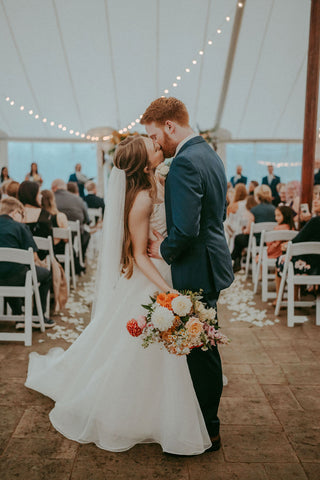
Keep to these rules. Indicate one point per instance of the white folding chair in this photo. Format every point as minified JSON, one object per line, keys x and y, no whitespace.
{"x":46,"y":244}
{"x":30,"y":288}
{"x":67,"y":257}
{"x":94,"y":213}
{"x":75,"y":228}
{"x":252,"y":245}
{"x":290,"y":279}
{"x":269,"y":263}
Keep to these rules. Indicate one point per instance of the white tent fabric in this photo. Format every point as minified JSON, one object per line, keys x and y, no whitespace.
{"x":90,"y":63}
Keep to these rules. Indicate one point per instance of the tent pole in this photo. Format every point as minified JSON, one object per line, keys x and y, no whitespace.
{"x":311,"y":106}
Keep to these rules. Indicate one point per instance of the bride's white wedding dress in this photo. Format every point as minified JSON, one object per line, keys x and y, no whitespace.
{"x":111,"y":391}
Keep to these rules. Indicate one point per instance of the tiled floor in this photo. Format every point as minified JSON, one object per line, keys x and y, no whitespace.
{"x":270,"y":416}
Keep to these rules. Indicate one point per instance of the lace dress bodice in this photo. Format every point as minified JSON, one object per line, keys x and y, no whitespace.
{"x":158,"y":220}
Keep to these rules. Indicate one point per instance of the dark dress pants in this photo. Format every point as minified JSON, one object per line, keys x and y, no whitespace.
{"x":240,"y":242}
{"x":206,"y":373}
{"x":18,"y":279}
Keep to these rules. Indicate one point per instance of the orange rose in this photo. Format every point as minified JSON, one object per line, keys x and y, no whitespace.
{"x":165,"y":300}
{"x":194,"y":327}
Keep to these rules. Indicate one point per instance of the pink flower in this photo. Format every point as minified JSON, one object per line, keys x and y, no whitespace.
{"x":142,"y":321}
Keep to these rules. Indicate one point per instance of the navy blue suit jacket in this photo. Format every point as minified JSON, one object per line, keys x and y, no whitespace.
{"x":73,"y":178}
{"x":242,"y":179}
{"x":273,"y":185}
{"x":195,"y":199}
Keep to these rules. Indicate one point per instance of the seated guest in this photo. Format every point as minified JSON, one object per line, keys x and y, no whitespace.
{"x":79,"y":178}
{"x":3,"y":188}
{"x":238,"y":178}
{"x":252,"y":186}
{"x":92,"y":199}
{"x":74,"y":208}
{"x":12,"y":189}
{"x":4,"y":175}
{"x":14,"y":234}
{"x":272,"y":181}
{"x":33,"y":175}
{"x":293,"y":195}
{"x":263,"y":212}
{"x":304,"y":264}
{"x":282,"y":193}
{"x":58,"y":219}
{"x":236,"y":211}
{"x":230,"y":196}
{"x":36,"y":217}
{"x":284,"y":218}
{"x":72,"y":187}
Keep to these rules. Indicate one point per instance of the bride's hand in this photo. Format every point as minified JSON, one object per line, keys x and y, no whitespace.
{"x":154,"y":245}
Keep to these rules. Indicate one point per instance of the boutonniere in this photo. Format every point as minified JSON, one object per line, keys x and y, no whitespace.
{"x":164,"y":167}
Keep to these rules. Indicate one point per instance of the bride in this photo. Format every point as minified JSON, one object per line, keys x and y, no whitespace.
{"x":108,"y":389}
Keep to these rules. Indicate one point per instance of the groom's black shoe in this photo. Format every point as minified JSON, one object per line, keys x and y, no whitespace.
{"x":216,"y":444}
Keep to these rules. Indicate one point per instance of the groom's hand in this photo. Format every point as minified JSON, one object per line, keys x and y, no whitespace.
{"x":154,"y":245}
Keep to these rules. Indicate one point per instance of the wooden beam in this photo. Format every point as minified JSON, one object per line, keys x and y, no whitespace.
{"x":311,"y":105}
{"x":229,"y":64}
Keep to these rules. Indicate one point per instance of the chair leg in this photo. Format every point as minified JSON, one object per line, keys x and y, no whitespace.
{"x":318,"y":310}
{"x":28,"y":317}
{"x":290,"y":307}
{"x":264,"y":279}
{"x":73,"y":270}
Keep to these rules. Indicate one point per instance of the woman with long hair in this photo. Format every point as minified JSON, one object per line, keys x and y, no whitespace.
{"x":33,"y":175}
{"x":107,"y":388}
{"x":36,"y":217}
{"x":4,"y":175}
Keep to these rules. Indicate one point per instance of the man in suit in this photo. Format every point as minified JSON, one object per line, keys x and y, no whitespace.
{"x":74,"y":207}
{"x":272,"y":181}
{"x":92,"y":199}
{"x":238,"y":178}
{"x":196,"y":248}
{"x":79,"y":178}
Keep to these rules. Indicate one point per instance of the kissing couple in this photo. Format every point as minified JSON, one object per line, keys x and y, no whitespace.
{"x":157,"y":235}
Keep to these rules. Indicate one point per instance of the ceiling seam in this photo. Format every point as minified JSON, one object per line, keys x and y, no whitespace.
{"x":116,"y":97}
{"x":304,"y":59}
{"x":23,"y":65}
{"x":255,"y":70}
{"x":157,"y":47}
{"x":68,"y":66}
{"x":205,"y":34}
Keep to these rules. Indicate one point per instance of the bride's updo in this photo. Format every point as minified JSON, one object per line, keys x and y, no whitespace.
{"x":131,"y":156}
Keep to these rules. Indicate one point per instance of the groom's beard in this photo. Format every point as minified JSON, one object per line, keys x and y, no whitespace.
{"x":168,"y":146}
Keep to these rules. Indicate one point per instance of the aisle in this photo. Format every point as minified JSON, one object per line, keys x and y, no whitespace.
{"x":270,"y":410}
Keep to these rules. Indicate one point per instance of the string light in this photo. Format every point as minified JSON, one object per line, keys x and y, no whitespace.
{"x":129,"y":127}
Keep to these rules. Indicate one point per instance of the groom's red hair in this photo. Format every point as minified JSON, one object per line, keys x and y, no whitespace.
{"x":163,"y":109}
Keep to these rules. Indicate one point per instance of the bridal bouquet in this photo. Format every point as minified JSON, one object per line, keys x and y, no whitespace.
{"x":180,"y":322}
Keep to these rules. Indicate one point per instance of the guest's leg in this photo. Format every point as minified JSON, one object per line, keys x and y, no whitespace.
{"x":16,"y":280}
{"x":85,"y":238}
{"x":206,"y":373}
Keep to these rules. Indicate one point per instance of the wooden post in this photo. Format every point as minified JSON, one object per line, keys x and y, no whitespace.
{"x":311,"y":105}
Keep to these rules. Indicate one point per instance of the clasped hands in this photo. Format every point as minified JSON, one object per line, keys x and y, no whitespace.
{"x":153,"y":248}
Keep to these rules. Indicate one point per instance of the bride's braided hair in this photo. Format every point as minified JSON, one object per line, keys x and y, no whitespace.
{"x":132,"y":157}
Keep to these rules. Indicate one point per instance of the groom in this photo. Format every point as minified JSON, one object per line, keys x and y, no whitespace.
{"x":196,"y":249}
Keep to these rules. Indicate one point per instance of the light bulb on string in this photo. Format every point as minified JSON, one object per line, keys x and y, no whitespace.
{"x":36,"y":116}
{"x":12,"y":103}
{"x":22,"y":108}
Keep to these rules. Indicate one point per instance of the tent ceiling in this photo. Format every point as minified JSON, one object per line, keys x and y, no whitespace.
{"x":86,"y":64}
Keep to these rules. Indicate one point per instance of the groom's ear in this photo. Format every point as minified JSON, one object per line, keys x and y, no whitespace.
{"x":169,"y":127}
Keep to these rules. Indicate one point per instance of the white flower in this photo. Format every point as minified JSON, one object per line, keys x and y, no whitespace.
{"x":211,"y":313}
{"x":181,"y":305}
{"x":163,"y":169}
{"x":199,"y":306}
{"x":162,"y":318}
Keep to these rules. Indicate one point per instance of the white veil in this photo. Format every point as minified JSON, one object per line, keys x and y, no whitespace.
{"x":109,"y":263}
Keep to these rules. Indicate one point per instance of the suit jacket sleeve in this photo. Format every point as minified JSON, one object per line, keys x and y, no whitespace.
{"x":186,"y":194}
